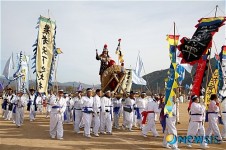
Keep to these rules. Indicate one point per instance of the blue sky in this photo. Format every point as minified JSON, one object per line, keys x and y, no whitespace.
{"x":84,"y":26}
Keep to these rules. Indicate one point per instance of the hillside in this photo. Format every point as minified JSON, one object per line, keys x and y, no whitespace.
{"x":66,"y":85}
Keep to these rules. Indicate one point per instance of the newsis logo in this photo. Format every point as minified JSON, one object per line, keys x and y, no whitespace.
{"x":172,"y":139}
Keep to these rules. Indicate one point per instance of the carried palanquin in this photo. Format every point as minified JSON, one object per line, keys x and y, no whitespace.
{"x":114,"y":77}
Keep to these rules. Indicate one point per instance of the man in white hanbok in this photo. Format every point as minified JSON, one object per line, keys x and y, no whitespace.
{"x":49,"y":107}
{"x":197,"y":118}
{"x":77,"y":114}
{"x":87,"y":109}
{"x":96,"y":112}
{"x":117,"y":106}
{"x":9,"y":99}
{"x":57,"y":115}
{"x":20,"y":103}
{"x":213,"y":111}
{"x":171,"y":127}
{"x":149,"y":114}
{"x":106,"y":113}
{"x":128,"y":111}
{"x":140,"y":105}
{"x":31,"y":106}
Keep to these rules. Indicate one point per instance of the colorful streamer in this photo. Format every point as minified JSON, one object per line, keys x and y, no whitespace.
{"x":171,"y":84}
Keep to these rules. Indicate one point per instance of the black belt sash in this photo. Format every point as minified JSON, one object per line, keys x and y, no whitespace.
{"x":212,"y":112}
{"x":196,"y":114}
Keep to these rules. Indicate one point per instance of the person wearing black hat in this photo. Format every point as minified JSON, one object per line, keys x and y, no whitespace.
{"x":140,"y":105}
{"x":57,"y":116}
{"x":9,"y":104}
{"x":20,"y":103}
{"x":96,"y":110}
{"x":77,"y":111}
{"x":197,"y":116}
{"x":106,"y":113}
{"x":128,"y":111}
{"x":213,"y":111}
{"x":87,"y":109}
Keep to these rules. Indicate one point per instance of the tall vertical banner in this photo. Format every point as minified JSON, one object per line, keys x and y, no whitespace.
{"x":197,"y":49}
{"x":212,"y":86}
{"x":193,"y":49}
{"x":23,"y":80}
{"x":44,"y":53}
{"x":223,"y":65}
{"x":222,"y":55}
{"x":171,"y":84}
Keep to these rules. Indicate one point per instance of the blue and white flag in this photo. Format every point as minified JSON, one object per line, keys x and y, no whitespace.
{"x":79,"y":88}
{"x":187,"y":86}
{"x":8,"y":67}
{"x":181,"y":72}
{"x":136,"y":74}
{"x":139,"y":66}
{"x":23,"y":80}
{"x":1,"y":87}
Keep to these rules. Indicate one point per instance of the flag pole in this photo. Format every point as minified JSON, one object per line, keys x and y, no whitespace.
{"x":216,"y":11}
{"x":55,"y":81}
{"x":175,"y":55}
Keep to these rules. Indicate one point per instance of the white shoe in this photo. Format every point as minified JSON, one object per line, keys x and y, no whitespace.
{"x":31,"y":120}
{"x":14,"y":122}
{"x":88,"y":136}
{"x":175,"y":148}
{"x":144,"y":135}
{"x":102,"y":133}
{"x":60,"y":138}
{"x":109,"y":133}
{"x":123,"y":127}
{"x":204,"y":146}
{"x":220,"y":142}
{"x":77,"y":132}
{"x":130,"y":130}
{"x":96,"y":135}
{"x":189,"y":146}
{"x":166,"y":146}
{"x":53,"y":137}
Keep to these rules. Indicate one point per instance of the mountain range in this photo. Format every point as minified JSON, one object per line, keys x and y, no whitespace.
{"x":155,"y":80}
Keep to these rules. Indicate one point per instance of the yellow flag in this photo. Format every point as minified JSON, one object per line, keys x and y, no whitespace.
{"x":59,"y":51}
{"x":212,"y":86}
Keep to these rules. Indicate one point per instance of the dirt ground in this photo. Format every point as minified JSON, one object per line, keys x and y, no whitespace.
{"x":35,"y":135}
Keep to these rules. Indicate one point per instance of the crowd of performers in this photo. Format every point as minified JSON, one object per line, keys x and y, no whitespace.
{"x":100,"y":112}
